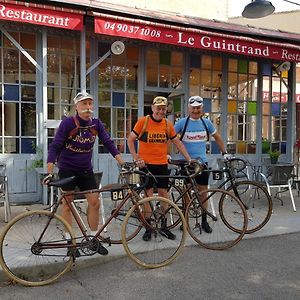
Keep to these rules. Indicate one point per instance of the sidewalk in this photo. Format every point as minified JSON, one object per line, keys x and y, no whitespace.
{"x":283,"y":220}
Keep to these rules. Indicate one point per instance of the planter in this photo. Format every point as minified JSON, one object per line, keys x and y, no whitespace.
{"x":274,"y":160}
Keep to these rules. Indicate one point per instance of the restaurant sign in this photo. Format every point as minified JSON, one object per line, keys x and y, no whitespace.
{"x":279,"y":97}
{"x":32,"y":15}
{"x":188,"y":37}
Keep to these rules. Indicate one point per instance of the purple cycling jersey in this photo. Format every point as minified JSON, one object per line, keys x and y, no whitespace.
{"x":75,"y":152}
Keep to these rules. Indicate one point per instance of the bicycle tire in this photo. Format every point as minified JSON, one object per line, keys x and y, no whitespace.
{"x":113,"y":228}
{"x":175,"y":195}
{"x":257,"y":201}
{"x":159,"y":251}
{"x":222,"y":236}
{"x":16,"y":245}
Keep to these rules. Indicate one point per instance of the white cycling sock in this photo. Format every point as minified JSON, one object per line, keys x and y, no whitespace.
{"x":67,"y":236}
{"x":93,"y":232}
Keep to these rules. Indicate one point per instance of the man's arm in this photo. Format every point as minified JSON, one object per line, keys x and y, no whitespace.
{"x":179,"y":145}
{"x":130,"y":142}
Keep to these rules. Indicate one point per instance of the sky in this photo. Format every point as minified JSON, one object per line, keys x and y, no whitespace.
{"x":236,"y":7}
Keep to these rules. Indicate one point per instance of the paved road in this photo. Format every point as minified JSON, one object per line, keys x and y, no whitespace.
{"x":259,"y":268}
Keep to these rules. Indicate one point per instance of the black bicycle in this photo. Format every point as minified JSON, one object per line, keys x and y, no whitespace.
{"x":224,"y":212}
{"x":255,"y":197}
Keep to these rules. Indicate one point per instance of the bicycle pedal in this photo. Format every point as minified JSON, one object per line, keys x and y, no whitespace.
{"x":198,"y":226}
{"x":107,"y":240}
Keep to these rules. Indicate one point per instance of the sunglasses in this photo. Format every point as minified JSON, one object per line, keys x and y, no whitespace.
{"x":160,"y":100}
{"x":193,"y":100}
{"x":82,"y":94}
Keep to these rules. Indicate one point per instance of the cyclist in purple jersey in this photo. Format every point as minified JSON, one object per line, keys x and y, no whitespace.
{"x":72,"y":149}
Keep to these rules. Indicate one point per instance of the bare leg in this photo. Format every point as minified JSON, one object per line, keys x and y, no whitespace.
{"x":66,"y":212}
{"x":202,"y":188}
{"x":93,"y":210}
{"x":205,"y":224}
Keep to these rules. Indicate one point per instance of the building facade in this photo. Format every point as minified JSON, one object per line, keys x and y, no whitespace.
{"x":50,"y":52}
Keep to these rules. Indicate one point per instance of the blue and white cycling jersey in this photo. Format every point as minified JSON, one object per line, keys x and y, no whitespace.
{"x":195,"y":136}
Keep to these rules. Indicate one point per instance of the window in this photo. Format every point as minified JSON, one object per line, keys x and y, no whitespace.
{"x":274,"y":112}
{"x":118,"y":95}
{"x":206,"y":80}
{"x":18,"y":95}
{"x":242,"y":106}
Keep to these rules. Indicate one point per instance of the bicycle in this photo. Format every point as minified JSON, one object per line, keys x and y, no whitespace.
{"x":225,"y":213}
{"x":34,"y":251}
{"x":255,"y":198}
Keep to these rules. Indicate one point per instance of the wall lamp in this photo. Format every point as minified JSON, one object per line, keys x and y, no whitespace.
{"x":260,"y":8}
{"x":116,"y":48}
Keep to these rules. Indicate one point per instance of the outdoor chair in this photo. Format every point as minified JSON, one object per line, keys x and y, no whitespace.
{"x":4,"y":198}
{"x":279,"y":177}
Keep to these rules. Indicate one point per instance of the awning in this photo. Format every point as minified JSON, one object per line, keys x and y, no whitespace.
{"x":194,"y":38}
{"x":40,"y":16}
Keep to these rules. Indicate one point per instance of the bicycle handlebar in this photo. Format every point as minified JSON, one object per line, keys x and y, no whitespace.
{"x":131,"y":168}
{"x":197,"y":167}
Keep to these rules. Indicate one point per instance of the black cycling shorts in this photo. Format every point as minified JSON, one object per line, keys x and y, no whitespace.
{"x":156,"y":170}
{"x":202,"y":179}
{"x":85,"y":180}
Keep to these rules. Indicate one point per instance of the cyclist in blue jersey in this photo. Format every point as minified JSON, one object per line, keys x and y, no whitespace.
{"x":195,"y":131}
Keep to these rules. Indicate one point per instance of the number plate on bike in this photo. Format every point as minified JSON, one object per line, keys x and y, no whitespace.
{"x":179,"y":182}
{"x":117,"y":194}
{"x":217,"y":175}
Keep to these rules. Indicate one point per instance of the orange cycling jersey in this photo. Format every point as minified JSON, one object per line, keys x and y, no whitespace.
{"x":153,"y":142}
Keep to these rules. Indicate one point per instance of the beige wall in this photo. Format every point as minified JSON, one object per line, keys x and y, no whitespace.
{"x":285,"y":21}
{"x":208,"y":9}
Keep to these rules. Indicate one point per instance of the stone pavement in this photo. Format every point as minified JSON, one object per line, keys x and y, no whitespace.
{"x":283,"y":220}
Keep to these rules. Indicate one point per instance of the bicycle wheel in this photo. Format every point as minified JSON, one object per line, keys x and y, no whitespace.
{"x":232,"y":211}
{"x":113,"y":229}
{"x":175,"y":195}
{"x":25,"y":260}
{"x":159,"y":250}
{"x":257,"y":201}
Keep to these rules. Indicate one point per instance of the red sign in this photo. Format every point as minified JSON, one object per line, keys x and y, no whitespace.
{"x":276,"y":97}
{"x":188,"y":37}
{"x":39,"y":16}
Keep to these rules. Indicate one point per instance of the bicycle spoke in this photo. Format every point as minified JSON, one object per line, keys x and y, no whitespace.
{"x":29,"y":259}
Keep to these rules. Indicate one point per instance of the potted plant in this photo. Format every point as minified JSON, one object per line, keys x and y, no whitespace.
{"x":274,"y":156}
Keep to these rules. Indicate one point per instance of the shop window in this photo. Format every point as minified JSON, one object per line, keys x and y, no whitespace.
{"x":28,"y":119}
{"x":274,"y":108}
{"x":206,"y":80}
{"x":242,"y":105}
{"x":195,"y":61}
{"x":118,"y":99}
{"x":165,"y":57}
{"x":117,"y":96}
{"x":164,"y":69}
{"x":26,"y":145}
{"x":11,"y":145}
{"x":11,"y":92}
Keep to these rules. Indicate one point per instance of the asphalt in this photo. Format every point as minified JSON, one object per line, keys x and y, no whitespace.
{"x":283,"y":221}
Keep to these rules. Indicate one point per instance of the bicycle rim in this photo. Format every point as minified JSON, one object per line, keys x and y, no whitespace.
{"x":257,"y":201}
{"x":175,"y":195}
{"x":17,"y":256}
{"x":159,"y":250}
{"x":113,"y":229}
{"x":218,"y":217}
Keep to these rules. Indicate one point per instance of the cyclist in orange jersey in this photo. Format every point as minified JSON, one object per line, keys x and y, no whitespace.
{"x":153,"y":151}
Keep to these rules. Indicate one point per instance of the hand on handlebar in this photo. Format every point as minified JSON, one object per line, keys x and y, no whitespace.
{"x":227,"y":156}
{"x":47,"y":179}
{"x":140,"y":163}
